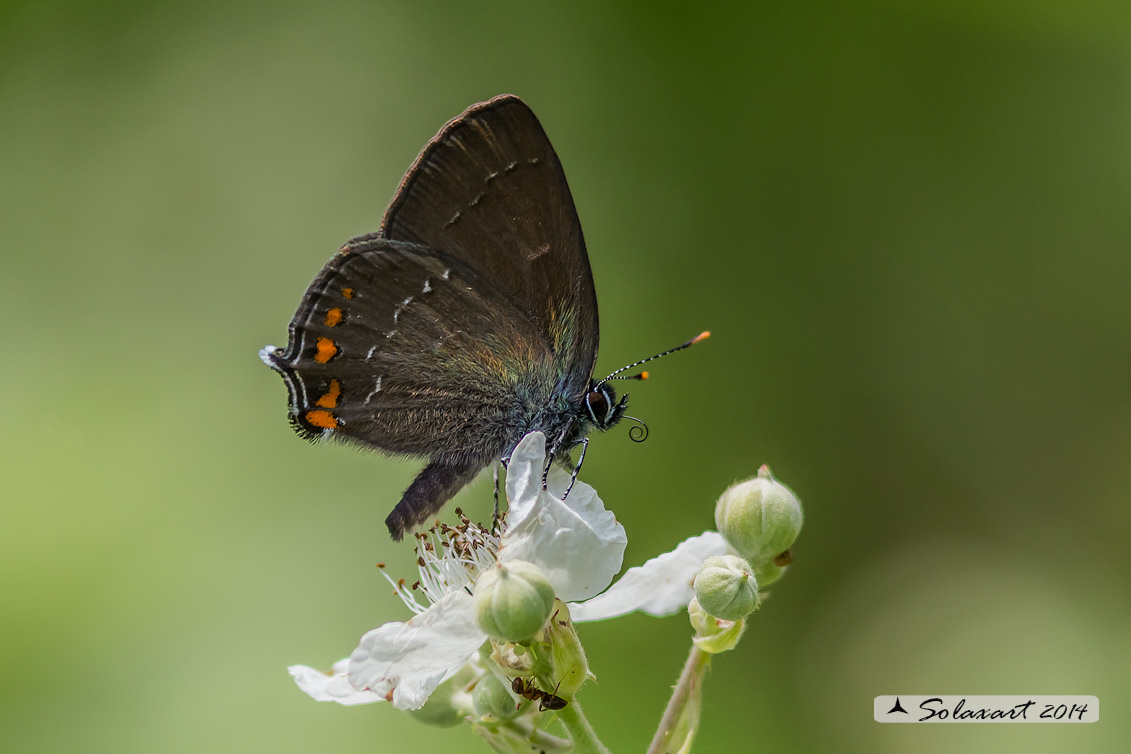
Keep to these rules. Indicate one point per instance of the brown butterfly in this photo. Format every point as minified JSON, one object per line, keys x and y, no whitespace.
{"x":467,"y":321}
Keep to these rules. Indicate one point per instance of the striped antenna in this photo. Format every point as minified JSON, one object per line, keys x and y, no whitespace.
{"x":644,"y":375}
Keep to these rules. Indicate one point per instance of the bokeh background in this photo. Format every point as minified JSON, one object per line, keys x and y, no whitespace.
{"x":906,"y":223}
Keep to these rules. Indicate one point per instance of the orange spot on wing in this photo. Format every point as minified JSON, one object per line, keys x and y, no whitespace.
{"x":320,"y":418}
{"x":333,"y":317}
{"x":326,"y":350}
{"x":330,"y":399}
{"x":347,"y":292}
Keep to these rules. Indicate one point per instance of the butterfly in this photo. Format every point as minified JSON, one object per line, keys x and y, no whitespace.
{"x":467,"y":321}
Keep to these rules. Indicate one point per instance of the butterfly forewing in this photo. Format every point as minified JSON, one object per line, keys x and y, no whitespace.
{"x":489,"y":190}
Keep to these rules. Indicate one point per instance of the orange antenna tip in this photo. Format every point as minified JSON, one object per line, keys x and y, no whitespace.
{"x":643,"y":375}
{"x":701,"y":336}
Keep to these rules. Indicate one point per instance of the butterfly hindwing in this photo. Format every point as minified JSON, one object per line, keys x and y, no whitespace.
{"x":402,"y":348}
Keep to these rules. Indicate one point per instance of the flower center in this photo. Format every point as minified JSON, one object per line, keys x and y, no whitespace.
{"x":449,"y":558}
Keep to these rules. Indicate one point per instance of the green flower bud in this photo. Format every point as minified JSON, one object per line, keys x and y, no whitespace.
{"x":568,"y":666}
{"x":491,"y":698}
{"x":759,"y":518}
{"x":513,"y":601}
{"x":725,"y":587}
{"x":713,"y":635}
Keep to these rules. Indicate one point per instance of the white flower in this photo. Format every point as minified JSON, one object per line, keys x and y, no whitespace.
{"x":332,"y":687}
{"x":576,"y":542}
{"x":662,"y":586}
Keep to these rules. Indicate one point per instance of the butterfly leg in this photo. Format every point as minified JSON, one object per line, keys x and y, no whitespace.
{"x":433,"y":487}
{"x":551,"y":452}
{"x":495,"y":518}
{"x":577,"y":468}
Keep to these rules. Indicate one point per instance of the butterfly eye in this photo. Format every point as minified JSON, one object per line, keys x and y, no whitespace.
{"x":598,"y":406}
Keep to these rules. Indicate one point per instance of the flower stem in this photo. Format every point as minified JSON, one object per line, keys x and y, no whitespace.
{"x":683,"y":704}
{"x":540,"y":738}
{"x":518,"y":736}
{"x":585,"y":741}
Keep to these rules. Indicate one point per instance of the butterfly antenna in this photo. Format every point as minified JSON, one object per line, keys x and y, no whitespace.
{"x":637,"y":434}
{"x":644,"y":375}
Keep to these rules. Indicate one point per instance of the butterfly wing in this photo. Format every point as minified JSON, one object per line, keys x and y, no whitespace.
{"x":490,"y":191}
{"x":400,"y":347}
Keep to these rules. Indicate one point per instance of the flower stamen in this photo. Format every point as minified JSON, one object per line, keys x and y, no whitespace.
{"x":448,"y":558}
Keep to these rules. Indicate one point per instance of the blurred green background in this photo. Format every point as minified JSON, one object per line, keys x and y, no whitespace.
{"x":906,"y":223}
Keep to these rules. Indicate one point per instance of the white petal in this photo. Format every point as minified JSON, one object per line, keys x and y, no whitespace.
{"x":577,"y":543}
{"x":405,"y":662}
{"x":661,"y":586}
{"x":331,"y":687}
